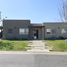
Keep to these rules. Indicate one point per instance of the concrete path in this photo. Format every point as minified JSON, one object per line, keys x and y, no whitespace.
{"x":38,"y":45}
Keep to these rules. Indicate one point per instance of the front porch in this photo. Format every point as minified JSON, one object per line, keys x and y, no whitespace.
{"x":37,"y":32}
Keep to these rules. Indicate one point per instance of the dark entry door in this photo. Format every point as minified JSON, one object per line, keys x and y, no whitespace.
{"x":36,"y":34}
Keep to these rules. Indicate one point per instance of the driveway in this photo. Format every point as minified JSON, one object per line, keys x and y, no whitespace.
{"x":37,"y":45}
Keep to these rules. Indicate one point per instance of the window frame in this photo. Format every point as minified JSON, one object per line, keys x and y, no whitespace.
{"x":48,"y":31}
{"x":64,"y":31}
{"x":23,"y":31}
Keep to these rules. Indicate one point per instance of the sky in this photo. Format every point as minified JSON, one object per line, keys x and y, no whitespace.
{"x":38,"y":11}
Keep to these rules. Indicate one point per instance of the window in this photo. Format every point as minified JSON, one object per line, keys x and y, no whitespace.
{"x":26,"y":31}
{"x":64,"y":31}
{"x":48,"y":31}
{"x":10,"y":30}
{"x":23,"y":31}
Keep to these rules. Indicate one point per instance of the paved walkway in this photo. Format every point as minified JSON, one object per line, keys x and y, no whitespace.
{"x":38,"y":45}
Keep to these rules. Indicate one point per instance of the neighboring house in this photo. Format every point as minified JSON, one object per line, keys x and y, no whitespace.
{"x":23,"y":29}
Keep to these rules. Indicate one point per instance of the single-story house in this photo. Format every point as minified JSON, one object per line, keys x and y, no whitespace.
{"x":24,"y":29}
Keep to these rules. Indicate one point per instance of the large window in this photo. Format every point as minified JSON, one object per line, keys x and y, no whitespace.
{"x":23,"y":31}
{"x":48,"y":31}
{"x":64,"y":31}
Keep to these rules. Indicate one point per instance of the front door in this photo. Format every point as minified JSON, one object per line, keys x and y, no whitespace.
{"x":35,"y":34}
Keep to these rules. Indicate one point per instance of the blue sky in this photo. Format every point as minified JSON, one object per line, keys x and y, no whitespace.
{"x":37,"y":11}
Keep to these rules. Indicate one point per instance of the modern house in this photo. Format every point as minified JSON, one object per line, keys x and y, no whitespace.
{"x":24,"y":29}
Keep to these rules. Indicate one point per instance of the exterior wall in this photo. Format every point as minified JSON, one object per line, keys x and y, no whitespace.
{"x":57,"y":27}
{"x":15,"y":25}
{"x":43,"y":32}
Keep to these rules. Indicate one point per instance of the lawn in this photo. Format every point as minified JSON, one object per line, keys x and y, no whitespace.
{"x":57,"y":45}
{"x":12,"y":45}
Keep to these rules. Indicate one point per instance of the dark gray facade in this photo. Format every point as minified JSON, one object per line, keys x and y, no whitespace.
{"x":23,"y":29}
{"x":11,"y":29}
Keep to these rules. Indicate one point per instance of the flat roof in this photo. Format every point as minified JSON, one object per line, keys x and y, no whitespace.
{"x":53,"y":22}
{"x":16,"y":20}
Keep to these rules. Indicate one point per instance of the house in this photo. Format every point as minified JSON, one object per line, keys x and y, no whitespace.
{"x":24,"y":29}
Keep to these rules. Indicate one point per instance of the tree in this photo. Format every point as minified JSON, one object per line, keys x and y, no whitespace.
{"x":63,"y":11}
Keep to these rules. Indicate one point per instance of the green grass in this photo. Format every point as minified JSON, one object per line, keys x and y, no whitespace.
{"x":57,"y":45}
{"x":7,"y":45}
